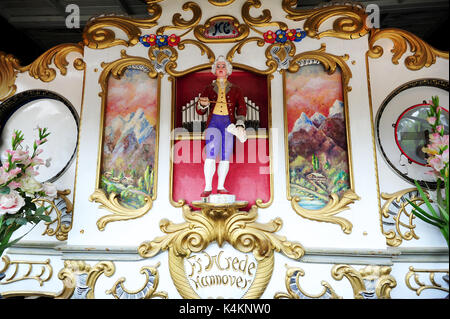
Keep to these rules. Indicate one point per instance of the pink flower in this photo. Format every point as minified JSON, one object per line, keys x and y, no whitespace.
{"x":14,"y":172}
{"x":11,"y":203}
{"x":431,"y":120}
{"x":13,"y":185}
{"x":30,"y":171}
{"x":19,"y":155}
{"x":50,"y":190}
{"x":436,"y":162}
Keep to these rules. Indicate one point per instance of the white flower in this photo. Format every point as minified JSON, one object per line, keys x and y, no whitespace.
{"x":49,"y":189}
{"x":11,"y":203}
{"x":30,"y":185}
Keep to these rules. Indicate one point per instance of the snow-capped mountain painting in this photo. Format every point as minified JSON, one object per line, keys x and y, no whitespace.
{"x":317,"y":142}
{"x":129,"y":137}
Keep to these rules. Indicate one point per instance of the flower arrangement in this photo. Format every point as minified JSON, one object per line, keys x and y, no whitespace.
{"x":281,"y":36}
{"x":437,"y":151}
{"x":18,"y":188}
{"x":160,"y":40}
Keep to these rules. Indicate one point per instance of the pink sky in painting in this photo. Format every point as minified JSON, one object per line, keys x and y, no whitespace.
{"x":131,"y":93}
{"x":311,"y":90}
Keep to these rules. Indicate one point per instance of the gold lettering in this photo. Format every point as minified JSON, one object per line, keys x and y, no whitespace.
{"x":244,"y":266}
{"x":251,"y":267}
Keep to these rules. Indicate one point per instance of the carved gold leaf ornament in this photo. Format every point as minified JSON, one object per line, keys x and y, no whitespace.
{"x":97,"y":35}
{"x":39,"y":69}
{"x":263,"y":20}
{"x":8,"y":75}
{"x":45,"y":274}
{"x":420,"y":286}
{"x":148,"y":290}
{"x":335,"y":204}
{"x":349,"y":24}
{"x":294,"y":290}
{"x":221,"y":223}
{"x":111,"y":202}
{"x":369,"y":282}
{"x":424,"y":55}
{"x":70,"y":276}
{"x":61,"y":228}
{"x":395,"y":208}
{"x":178,"y":23}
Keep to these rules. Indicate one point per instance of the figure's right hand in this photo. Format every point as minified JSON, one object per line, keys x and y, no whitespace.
{"x":204,"y":100}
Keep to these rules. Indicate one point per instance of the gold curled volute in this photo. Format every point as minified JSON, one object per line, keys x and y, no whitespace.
{"x":423,"y":55}
{"x":349,"y":24}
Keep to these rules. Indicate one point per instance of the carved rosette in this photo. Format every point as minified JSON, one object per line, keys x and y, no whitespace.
{"x":221,"y":223}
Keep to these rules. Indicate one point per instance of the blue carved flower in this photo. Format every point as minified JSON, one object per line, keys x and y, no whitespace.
{"x":299,"y":35}
{"x":161,"y":40}
{"x":281,"y":36}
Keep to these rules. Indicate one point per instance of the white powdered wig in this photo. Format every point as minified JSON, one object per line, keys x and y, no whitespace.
{"x":221,"y":58}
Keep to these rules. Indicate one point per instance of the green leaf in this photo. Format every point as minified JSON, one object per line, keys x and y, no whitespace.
{"x":46,"y":218}
{"x":21,"y":221}
{"x":4,"y":190}
{"x":419,"y":209}
{"x":425,"y":219}
{"x":425,"y":199}
{"x":9,"y":221}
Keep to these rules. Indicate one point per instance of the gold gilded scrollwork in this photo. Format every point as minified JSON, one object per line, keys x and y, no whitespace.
{"x":395,"y":208}
{"x":79,"y":278}
{"x":8,"y":75}
{"x":39,"y":69}
{"x":44,"y":275}
{"x":96,"y":34}
{"x":350,"y":24}
{"x":220,"y":223}
{"x":424,"y":54}
{"x":179,"y":23}
{"x":263,"y":20}
{"x":63,"y":209}
{"x":148,"y":291}
{"x":335,"y":205}
{"x":371,"y":282}
{"x":111,"y":202}
{"x":294,"y":291}
{"x":415,"y":273}
{"x":237,"y":48}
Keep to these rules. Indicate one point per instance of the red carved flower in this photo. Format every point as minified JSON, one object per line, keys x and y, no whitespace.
{"x":290,"y":34}
{"x":269,"y":37}
{"x":173,"y":40}
{"x":151,"y":39}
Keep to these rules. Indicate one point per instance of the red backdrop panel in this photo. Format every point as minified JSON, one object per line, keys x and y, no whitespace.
{"x":248,"y":177}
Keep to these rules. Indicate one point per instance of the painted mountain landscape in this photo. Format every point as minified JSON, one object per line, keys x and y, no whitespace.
{"x":318,"y":162}
{"x":129,"y":138}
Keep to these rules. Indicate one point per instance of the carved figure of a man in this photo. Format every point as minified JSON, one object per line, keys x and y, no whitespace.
{"x":227,"y":114}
